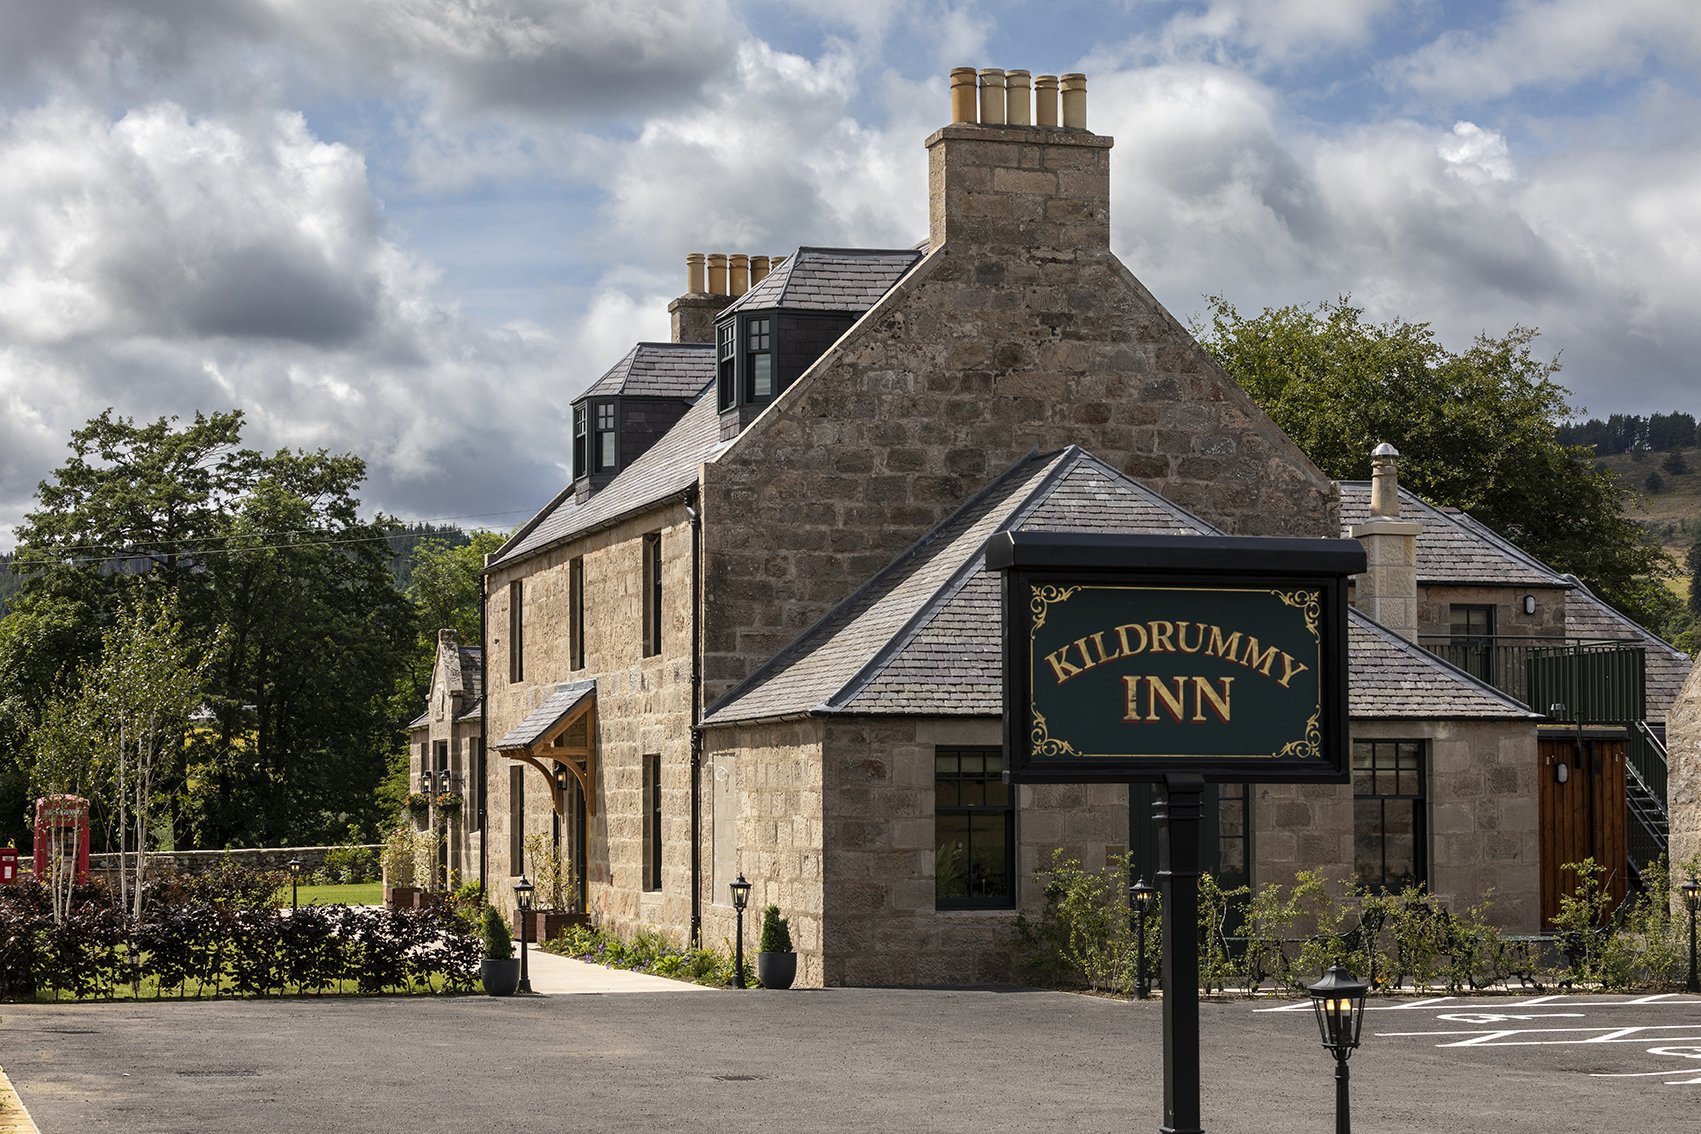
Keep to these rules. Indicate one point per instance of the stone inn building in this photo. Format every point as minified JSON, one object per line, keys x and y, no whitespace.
{"x":755,"y":634}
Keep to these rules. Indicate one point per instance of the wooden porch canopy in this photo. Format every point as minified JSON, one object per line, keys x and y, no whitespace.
{"x":562,"y":730}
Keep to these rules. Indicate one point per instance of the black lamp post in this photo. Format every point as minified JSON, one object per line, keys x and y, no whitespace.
{"x":1339,"y":1002}
{"x":294,"y":880}
{"x":1140,"y":897}
{"x":740,"y":898}
{"x":523,"y":898}
{"x":1692,"y":898}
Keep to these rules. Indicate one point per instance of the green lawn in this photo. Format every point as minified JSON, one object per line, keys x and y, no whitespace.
{"x":356,"y":894}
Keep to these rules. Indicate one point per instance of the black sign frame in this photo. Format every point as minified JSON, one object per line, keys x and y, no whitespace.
{"x":1201,"y":564}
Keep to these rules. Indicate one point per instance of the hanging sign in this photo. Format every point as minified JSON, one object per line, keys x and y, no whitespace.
{"x":1127,"y":658}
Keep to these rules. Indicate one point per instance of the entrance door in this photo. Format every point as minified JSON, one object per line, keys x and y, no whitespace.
{"x":1582,"y":817}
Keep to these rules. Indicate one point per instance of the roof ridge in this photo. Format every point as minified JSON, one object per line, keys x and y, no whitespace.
{"x":847,"y":251}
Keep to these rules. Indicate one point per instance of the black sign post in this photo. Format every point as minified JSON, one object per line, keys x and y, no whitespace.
{"x":1176,"y":660}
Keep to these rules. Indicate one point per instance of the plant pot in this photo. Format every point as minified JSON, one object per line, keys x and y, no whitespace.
{"x":501,"y":976}
{"x":776,"y":970}
{"x":545,"y":924}
{"x":400,"y":897}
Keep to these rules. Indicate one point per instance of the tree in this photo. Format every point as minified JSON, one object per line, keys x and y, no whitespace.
{"x":1476,"y":430}
{"x":273,"y":573}
{"x":1654,"y":482}
{"x":1674,"y":463}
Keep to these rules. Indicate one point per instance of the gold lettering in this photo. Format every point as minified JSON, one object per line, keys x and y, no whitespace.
{"x":1260,"y":660}
{"x":1160,"y":638}
{"x":1290,"y":669}
{"x":1181,"y":637}
{"x":1220,"y":646}
{"x":1132,"y":686}
{"x":1203,"y":692}
{"x":1061,"y":666}
{"x":1156,"y":690}
{"x":1098,"y":642}
{"x":1128,"y":648}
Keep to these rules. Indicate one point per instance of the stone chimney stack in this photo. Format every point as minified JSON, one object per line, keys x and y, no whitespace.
{"x":1387,"y":591}
{"x":1004,"y":175}
{"x":694,"y":312}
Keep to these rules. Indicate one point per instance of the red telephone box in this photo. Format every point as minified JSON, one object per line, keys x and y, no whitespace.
{"x":62,"y":832}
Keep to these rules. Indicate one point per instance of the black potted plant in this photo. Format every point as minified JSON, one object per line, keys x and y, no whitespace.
{"x":500,"y":969}
{"x":776,"y":964}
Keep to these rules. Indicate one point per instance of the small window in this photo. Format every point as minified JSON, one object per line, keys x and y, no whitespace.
{"x":759,"y":366}
{"x":576,"y":613}
{"x":516,"y":632}
{"x":726,"y":356}
{"x":607,"y":440}
{"x":1234,"y":836}
{"x":1390,"y":842}
{"x":516,"y":819}
{"x":473,"y":808}
{"x":1470,"y":632}
{"x":652,"y":594}
{"x":581,"y":441}
{"x":652,"y":823}
{"x":974,"y":823}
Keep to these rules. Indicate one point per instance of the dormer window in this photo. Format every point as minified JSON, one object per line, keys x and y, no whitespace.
{"x":581,"y":441}
{"x":596,"y":441}
{"x":607,"y":439}
{"x":759,"y":360}
{"x":726,"y":362}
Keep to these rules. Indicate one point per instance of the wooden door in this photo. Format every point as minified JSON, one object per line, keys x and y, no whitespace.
{"x":1583,"y":817}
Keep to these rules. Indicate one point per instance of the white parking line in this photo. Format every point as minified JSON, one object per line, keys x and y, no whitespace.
{"x":1502,"y":1037}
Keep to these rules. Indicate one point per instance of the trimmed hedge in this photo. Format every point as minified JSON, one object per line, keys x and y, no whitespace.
{"x":217,"y":935}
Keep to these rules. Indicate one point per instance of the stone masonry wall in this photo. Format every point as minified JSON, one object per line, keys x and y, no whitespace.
{"x":643,"y":707}
{"x":881,"y":924}
{"x":1434,"y":599}
{"x":779,"y":836}
{"x":991,"y":348}
{"x":443,"y":709}
{"x":1683,"y":784}
{"x":1482,"y":818}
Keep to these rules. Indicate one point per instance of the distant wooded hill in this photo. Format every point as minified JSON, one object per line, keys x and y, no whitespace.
{"x":1629,"y":432}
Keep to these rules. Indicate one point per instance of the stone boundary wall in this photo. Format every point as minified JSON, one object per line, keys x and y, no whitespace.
{"x":257,"y":858}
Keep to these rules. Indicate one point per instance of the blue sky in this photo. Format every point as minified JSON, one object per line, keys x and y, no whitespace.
{"x":415,"y":229}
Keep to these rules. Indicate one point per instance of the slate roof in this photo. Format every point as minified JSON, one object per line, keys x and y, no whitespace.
{"x":829,"y":279}
{"x":657,"y":370}
{"x":471,"y":686}
{"x":1454,"y":548}
{"x":558,"y":704}
{"x":666,"y":468}
{"x":922,"y":636}
{"x":1666,"y":666}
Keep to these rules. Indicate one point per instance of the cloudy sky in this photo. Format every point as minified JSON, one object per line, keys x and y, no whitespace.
{"x":415,"y":229}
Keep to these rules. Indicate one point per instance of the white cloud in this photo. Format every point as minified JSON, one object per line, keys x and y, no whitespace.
{"x":1272,"y":32}
{"x":1554,"y":44}
{"x":1476,"y":154}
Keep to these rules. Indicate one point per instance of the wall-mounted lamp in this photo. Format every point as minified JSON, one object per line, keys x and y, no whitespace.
{"x":1561,"y":772}
{"x":1529,"y":604}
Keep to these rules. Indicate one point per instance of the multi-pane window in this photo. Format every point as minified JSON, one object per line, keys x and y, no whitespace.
{"x":652,"y":594}
{"x":759,"y":360}
{"x":1389,"y":835}
{"x":516,"y":631}
{"x":576,"y":613}
{"x":1470,"y":630}
{"x":516,"y":819}
{"x":652,"y":823}
{"x":608,"y":457}
{"x":581,"y":441}
{"x":1234,"y":836}
{"x":974,"y":823}
{"x":726,"y":356}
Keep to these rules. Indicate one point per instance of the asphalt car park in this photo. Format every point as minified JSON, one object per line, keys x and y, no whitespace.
{"x":844,"y":1060}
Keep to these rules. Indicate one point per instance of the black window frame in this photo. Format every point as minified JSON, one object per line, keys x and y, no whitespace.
{"x":576,"y":612}
{"x":726,"y":365}
{"x":581,"y":440}
{"x":472,"y":807}
{"x":1379,"y":786}
{"x":516,"y":820}
{"x":516,"y":632}
{"x":758,"y":334}
{"x":1472,"y":645}
{"x":949,"y":805}
{"x":652,"y":822}
{"x":652,"y":594}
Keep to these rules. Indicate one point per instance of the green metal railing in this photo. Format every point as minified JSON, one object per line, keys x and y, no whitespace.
{"x":1587,"y":681}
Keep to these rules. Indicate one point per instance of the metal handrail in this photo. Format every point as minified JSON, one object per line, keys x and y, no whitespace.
{"x":1599,"y":680}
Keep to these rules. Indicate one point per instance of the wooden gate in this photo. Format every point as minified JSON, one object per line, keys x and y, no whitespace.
{"x":1584,"y":817}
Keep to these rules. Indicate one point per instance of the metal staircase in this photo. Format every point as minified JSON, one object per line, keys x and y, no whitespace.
{"x":1649,"y":833}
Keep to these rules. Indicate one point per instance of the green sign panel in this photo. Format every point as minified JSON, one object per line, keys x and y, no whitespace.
{"x":1133,"y":658}
{"x":1173,"y":671}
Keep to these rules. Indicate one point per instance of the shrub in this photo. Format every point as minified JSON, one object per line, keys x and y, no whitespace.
{"x":776,"y":932}
{"x":348,"y":865}
{"x":498,"y":938}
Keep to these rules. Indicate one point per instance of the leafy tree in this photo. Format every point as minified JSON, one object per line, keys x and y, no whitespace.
{"x":274,"y":575}
{"x":1476,"y":430}
{"x":1674,"y":463}
{"x":1655,"y":482}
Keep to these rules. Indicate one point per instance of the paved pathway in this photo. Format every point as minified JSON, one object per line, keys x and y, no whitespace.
{"x":564,"y":976}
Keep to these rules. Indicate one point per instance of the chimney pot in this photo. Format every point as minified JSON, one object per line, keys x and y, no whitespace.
{"x":1018,"y":99}
{"x":738,"y":281}
{"x":758,"y":269}
{"x":694,"y":273}
{"x":991,"y":96}
{"x":717,"y":273}
{"x":963,"y":94}
{"x":1385,"y":481}
{"x":1045,"y":100}
{"x":1074,"y":101}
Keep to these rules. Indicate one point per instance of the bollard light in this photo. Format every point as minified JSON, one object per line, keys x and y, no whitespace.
{"x":294,"y":880}
{"x":740,"y":898}
{"x":523,"y":899}
{"x":1692,"y":898}
{"x":1338,"y":1000}
{"x":1140,"y":899}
